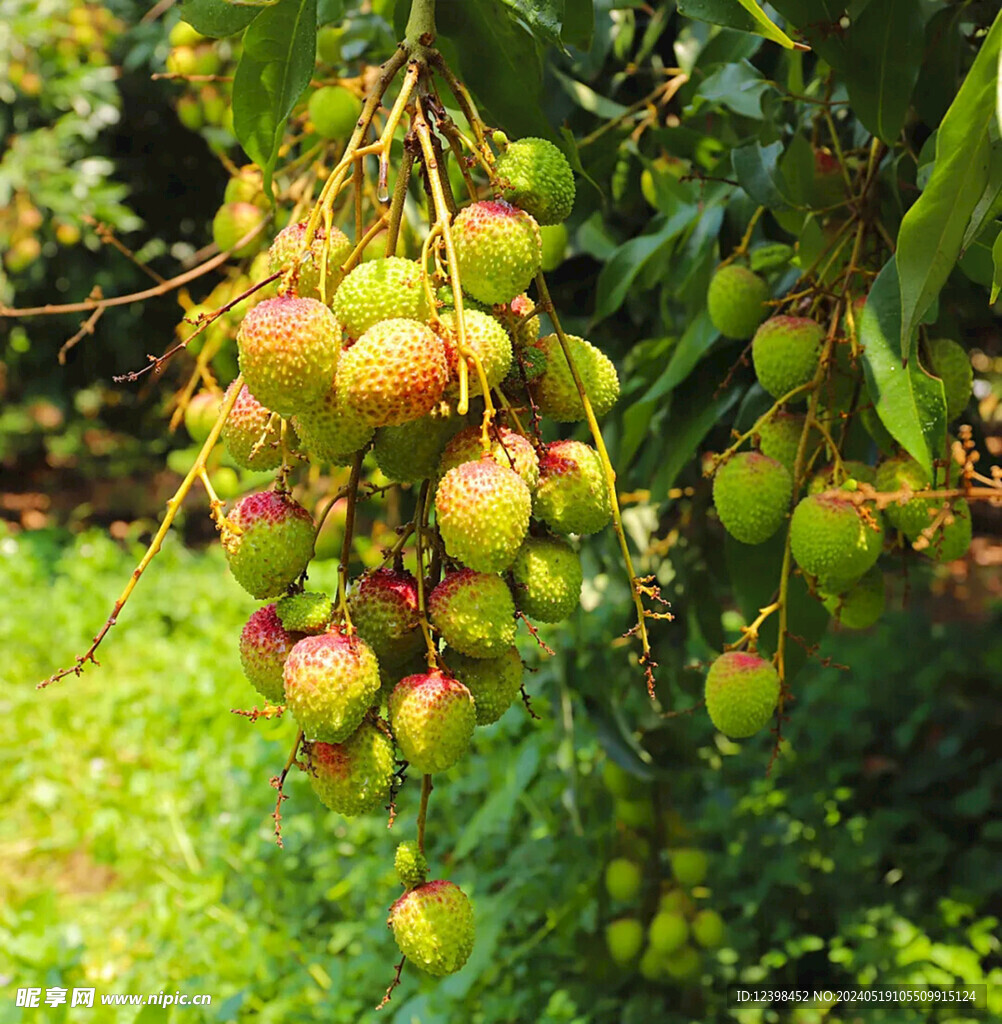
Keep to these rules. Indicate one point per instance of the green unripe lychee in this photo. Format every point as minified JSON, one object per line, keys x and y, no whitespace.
{"x":950,"y":540}
{"x":302,"y":266}
{"x":752,"y":495}
{"x":572,"y":495}
{"x":536,"y":177}
{"x":384,"y":609}
{"x":486,"y":339}
{"x":832,"y":478}
{"x":951,"y":363}
{"x":683,"y":964}
{"x":382,"y":289}
{"x":411,"y":865}
{"x":735,"y":301}
{"x":620,"y":782}
{"x":779,"y":437}
{"x":689,"y":866}
{"x":667,"y":932}
{"x":334,"y":112}
{"x":304,"y":613}
{"x":862,"y":604}
{"x":264,"y":645}
{"x":474,"y":612}
{"x":246,"y":186}
{"x":499,"y":249}
{"x":547,"y":575}
{"x":354,"y":777}
{"x":676,"y":900}
{"x":233,"y":221}
{"x":252,"y":433}
{"x":623,"y":939}
{"x":329,"y":430}
{"x":554,"y":389}
{"x":189,"y":113}
{"x":183,"y":34}
{"x":433,"y":927}
{"x":201,"y":413}
{"x":432,"y":717}
{"x":634,"y":813}
{"x":482,"y":511}
{"x":832,"y":540}
{"x":623,"y":879}
{"x":330,"y":683}
{"x":785,"y":351}
{"x":508,"y":449}
{"x":554,"y":246}
{"x":329,"y":44}
{"x":905,"y":474}
{"x":742,"y":691}
{"x":268,"y":541}
{"x":494,"y":682}
{"x":410,"y":452}
{"x":708,"y":929}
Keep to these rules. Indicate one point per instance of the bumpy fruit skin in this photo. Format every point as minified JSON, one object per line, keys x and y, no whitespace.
{"x":862,"y":604}
{"x":536,"y":177}
{"x":689,"y":866}
{"x":499,"y":249}
{"x":572,"y":495}
{"x":622,"y":879}
{"x":330,"y":431}
{"x":752,"y":494}
{"x":555,"y":391}
{"x":950,"y":541}
{"x":779,"y":437}
{"x":735,"y":301}
{"x":831,"y":541}
{"x":285,"y":253}
{"x":394,"y":373}
{"x":526,"y":331}
{"x":952,"y":365}
{"x":433,"y":927}
{"x":494,"y":682}
{"x":384,"y":610}
{"x":201,"y":414}
{"x":486,"y":339}
{"x":708,"y":929}
{"x":667,"y":932}
{"x":742,"y":691}
{"x":623,"y":939}
{"x":896,"y":475}
{"x":828,"y":480}
{"x":264,"y":645}
{"x":785,"y":351}
{"x":383,"y":289}
{"x":511,"y":450}
{"x":330,"y":682}
{"x":474,"y":612}
{"x":268,"y":541}
{"x":231,"y":223}
{"x":354,"y":777}
{"x":250,"y":435}
{"x":288,"y":351}
{"x":411,"y":865}
{"x":411,"y":451}
{"x":482,"y":511}
{"x":334,"y":111}
{"x":432,"y":717}
{"x":304,"y":613}
{"x":547,"y":575}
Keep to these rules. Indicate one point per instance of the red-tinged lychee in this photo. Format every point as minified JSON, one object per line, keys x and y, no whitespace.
{"x":742,"y":691}
{"x":302,"y":266}
{"x":433,"y":717}
{"x":482,"y":511}
{"x":232,"y":223}
{"x":735,"y":301}
{"x":779,"y":437}
{"x":547,"y":575}
{"x":268,"y":542}
{"x":410,"y":864}
{"x":556,"y":393}
{"x":308,"y":612}
{"x":410,"y":452}
{"x":752,"y":494}
{"x":433,"y":927}
{"x":499,"y":249}
{"x":288,"y":351}
{"x":862,"y":604}
{"x":786,"y":351}
{"x":331,"y":681}
{"x":252,"y":434}
{"x":514,"y":451}
{"x":382,"y":289}
{"x":494,"y":682}
{"x":536,"y":177}
{"x":353,"y":777}
{"x":394,"y":373}
{"x":474,"y":612}
{"x":264,"y":645}
{"x":330,"y":431}
{"x":572,"y":495}
{"x":526,"y":331}
{"x":201,"y":413}
{"x":384,"y":609}
{"x":833,"y":540}
{"x":486,"y":339}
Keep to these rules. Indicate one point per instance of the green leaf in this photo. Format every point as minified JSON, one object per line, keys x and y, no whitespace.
{"x":932,"y":232}
{"x":756,"y":168}
{"x":329,"y":11}
{"x":586,"y":98}
{"x":579,"y":23}
{"x":990,"y":203}
{"x":697,"y":340}
{"x":216,"y":18}
{"x":745,"y":15}
{"x":542,"y":17}
{"x":274,"y":69}
{"x":764,"y":26}
{"x":997,"y":269}
{"x":909,"y":402}
{"x":738,"y":86}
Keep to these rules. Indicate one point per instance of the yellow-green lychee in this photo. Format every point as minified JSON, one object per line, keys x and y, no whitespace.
{"x":547,"y":576}
{"x":355,"y":776}
{"x":708,"y":929}
{"x":486,"y":339}
{"x":572,"y":495}
{"x":246,"y":186}
{"x":201,"y":413}
{"x":951,"y":539}
{"x":474,"y":612}
{"x":623,"y":878}
{"x":554,"y":245}
{"x":252,"y":433}
{"x":308,"y":612}
{"x":752,"y":495}
{"x":384,"y":609}
{"x":514,"y":451}
{"x":554,"y":389}
{"x":832,"y":477}
{"x":951,"y":363}
{"x":624,"y":939}
{"x":302,"y":265}
{"x":231,"y":225}
{"x":689,"y":866}
{"x":683,"y":964}
{"x":382,"y":289}
{"x":786,"y":351}
{"x":334,"y":112}
{"x":330,"y":431}
{"x":742,"y":691}
{"x":833,"y":540}
{"x":433,"y":927}
{"x":410,"y":452}
{"x":536,"y":177}
{"x":904,"y":474}
{"x":735,"y":301}
{"x":862,"y":604}
{"x":667,"y":932}
{"x":498,"y":247}
{"x":410,"y":864}
{"x":779,"y":437}
{"x":433,"y":718}
{"x":264,"y":645}
{"x":494,"y":682}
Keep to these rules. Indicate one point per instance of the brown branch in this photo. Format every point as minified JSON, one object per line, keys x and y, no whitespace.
{"x":393,"y":984}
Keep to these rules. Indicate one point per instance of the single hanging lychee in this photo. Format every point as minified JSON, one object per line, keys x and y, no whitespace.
{"x":536,"y":177}
{"x":514,"y":451}
{"x":547,"y":575}
{"x":383,"y":606}
{"x":779,"y":437}
{"x":572,"y":495}
{"x":498,"y":247}
{"x":474,"y":612}
{"x":334,"y":111}
{"x":556,"y":393}
{"x":383,"y":289}
{"x":232,"y":223}
{"x":786,"y":351}
{"x":330,"y":431}
{"x":862,"y":604}
{"x":355,"y":776}
{"x":433,"y":927}
{"x":252,"y":433}
{"x":833,"y":540}
{"x":305,"y":613}
{"x":432,"y":717}
{"x":742,"y":691}
{"x":303,"y":268}
{"x":494,"y":682}
{"x":735,"y":301}
{"x":410,"y":452}
{"x":486,"y":339}
{"x":410,"y":864}
{"x":752,"y":495}
{"x":264,"y":645}
{"x":905,"y":474}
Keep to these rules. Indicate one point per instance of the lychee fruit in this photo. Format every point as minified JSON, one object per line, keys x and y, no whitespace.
{"x":433,"y":927}
{"x":862,"y":604}
{"x":622,"y":879}
{"x":536,"y":177}
{"x":498,"y":247}
{"x":383,"y":289}
{"x":246,"y":186}
{"x":555,"y":391}
{"x":252,"y":433}
{"x":353,"y":777}
{"x":508,"y":449}
{"x":268,"y":542}
{"x":201,"y":413}
{"x":384,"y":609}
{"x":474,"y":612}
{"x":689,"y":865}
{"x":482,"y":511}
{"x":900,"y":474}
{"x":303,"y":268}
{"x":288,"y":351}
{"x":785,"y":351}
{"x":951,"y":539}
{"x":394,"y":373}
{"x":486,"y":339}
{"x":264,"y":645}
{"x":708,"y":929}
{"x":742,"y":691}
{"x":735,"y":301}
{"x":555,"y":240}
{"x":330,"y":431}
{"x":684,"y":963}
{"x":667,"y":932}
{"x":432,"y":716}
{"x":572,"y":495}
{"x":233,"y":221}
{"x":624,"y":939}
{"x":493,"y":682}
{"x":752,"y":494}
{"x":308,"y":612}
{"x":547,"y":576}
{"x":779,"y":437}
{"x":334,"y":112}
{"x":832,"y":540}
{"x":951,"y":363}
{"x":411,"y":865}
{"x":410,"y":452}
{"x":831,"y":477}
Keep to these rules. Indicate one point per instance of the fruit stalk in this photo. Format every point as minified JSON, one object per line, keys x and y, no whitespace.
{"x":349,"y":532}
{"x":426,"y":788}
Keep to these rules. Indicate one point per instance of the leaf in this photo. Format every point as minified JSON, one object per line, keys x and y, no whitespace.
{"x":329,"y":11}
{"x":542,"y":17}
{"x":745,"y":15}
{"x":997,"y":269}
{"x":909,"y":402}
{"x":586,"y":98}
{"x":697,"y":340}
{"x":216,"y":18}
{"x":275,"y":67}
{"x":764,"y":26}
{"x":579,"y":23}
{"x":738,"y":86}
{"x":933,"y":230}
{"x":756,"y":168}
{"x":987,"y":207}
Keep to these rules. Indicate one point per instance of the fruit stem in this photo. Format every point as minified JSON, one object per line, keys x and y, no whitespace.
{"x":399,"y":198}
{"x":349,"y":530}
{"x":424,"y":507}
{"x":420,"y":31}
{"x":426,"y":788}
